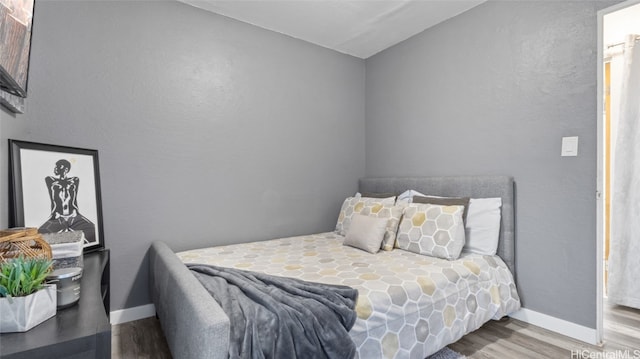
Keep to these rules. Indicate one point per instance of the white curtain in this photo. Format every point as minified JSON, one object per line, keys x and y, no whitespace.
{"x":624,"y":258}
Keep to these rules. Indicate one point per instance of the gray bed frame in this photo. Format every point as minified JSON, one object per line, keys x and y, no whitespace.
{"x":196,"y":327}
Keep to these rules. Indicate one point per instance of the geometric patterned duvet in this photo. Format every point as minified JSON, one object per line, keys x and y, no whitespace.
{"x":409,"y":305}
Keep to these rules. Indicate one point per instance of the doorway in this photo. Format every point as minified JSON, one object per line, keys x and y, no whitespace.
{"x":617,"y":26}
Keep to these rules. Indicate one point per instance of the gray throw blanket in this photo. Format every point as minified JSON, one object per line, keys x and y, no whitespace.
{"x":278,"y":317}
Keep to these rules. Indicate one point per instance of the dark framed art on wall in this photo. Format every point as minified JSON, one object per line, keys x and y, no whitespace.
{"x":56,"y":189}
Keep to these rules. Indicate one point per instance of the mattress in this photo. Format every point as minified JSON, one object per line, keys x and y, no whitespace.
{"x":409,"y":305}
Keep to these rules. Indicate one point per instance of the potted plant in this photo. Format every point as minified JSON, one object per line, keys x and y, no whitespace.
{"x":25,"y":299}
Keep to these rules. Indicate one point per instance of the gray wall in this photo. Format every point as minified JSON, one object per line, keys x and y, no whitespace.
{"x":198,"y":117}
{"x":210,"y":131}
{"x":493,"y":91}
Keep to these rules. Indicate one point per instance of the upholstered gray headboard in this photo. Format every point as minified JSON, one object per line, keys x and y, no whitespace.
{"x":460,"y":186}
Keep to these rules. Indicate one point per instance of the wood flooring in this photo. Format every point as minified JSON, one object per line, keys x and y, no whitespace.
{"x":139,"y":339}
{"x":508,"y":338}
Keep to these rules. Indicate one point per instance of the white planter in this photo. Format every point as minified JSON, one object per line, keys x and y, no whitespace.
{"x":19,"y":314}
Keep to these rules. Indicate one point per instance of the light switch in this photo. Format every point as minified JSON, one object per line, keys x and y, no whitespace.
{"x":569,"y":146}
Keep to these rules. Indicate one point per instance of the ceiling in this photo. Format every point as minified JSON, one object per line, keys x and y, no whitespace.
{"x":359,"y":28}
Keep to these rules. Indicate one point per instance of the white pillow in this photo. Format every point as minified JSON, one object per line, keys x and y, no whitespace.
{"x":482,"y":227}
{"x":407,"y":196}
{"x":366,"y":232}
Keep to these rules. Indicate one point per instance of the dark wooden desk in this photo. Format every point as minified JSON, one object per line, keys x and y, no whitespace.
{"x":80,"y":331}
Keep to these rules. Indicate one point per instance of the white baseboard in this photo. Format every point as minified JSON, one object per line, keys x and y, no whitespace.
{"x":561,"y":326}
{"x":131,"y":314}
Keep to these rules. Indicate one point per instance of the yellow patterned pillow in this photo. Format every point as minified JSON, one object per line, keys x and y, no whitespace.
{"x":433,"y":230}
{"x":355,"y":205}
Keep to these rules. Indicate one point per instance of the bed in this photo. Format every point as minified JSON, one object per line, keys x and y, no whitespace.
{"x":409,"y":305}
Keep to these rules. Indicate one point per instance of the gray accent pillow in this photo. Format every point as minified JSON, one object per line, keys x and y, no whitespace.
{"x":366,"y":232}
{"x":377,"y":195}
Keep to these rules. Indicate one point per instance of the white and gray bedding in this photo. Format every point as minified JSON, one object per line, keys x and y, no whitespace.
{"x":409,"y":305}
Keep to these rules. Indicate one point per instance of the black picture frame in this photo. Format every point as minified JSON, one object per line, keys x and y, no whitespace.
{"x":45,"y":190}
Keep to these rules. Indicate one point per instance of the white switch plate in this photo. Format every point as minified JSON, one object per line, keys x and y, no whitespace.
{"x":569,"y":146}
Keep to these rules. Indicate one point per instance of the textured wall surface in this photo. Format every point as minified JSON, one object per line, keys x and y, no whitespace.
{"x":210,"y":131}
{"x":493,"y":91}
{"x":198,"y":117}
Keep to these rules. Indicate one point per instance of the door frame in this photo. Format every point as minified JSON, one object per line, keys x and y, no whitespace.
{"x":600,"y":166}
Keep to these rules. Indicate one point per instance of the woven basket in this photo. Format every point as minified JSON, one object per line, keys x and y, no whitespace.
{"x":23,"y":241}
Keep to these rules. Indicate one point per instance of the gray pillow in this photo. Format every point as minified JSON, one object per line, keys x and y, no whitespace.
{"x":366,"y":232}
{"x":377,"y":195}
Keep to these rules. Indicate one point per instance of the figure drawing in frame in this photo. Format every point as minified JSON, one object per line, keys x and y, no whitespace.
{"x":46,"y":191}
{"x":65,"y":214}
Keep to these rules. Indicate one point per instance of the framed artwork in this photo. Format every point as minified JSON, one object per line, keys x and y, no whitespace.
{"x":16,"y":20}
{"x":56,"y":189}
